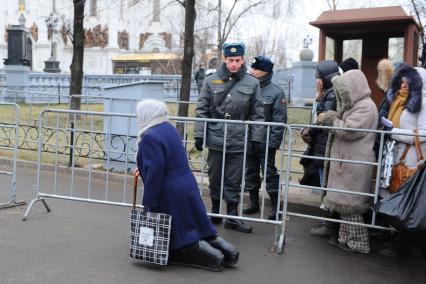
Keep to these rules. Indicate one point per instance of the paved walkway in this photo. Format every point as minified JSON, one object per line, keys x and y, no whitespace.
{"x":88,"y":243}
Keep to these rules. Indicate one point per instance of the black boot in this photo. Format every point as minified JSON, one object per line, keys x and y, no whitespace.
{"x":274,"y":199}
{"x":229,"y":251}
{"x":254,"y":202}
{"x":215,"y":209}
{"x":200,"y":254}
{"x":236,"y":224}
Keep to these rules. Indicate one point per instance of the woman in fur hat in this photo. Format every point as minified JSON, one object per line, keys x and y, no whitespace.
{"x":407,"y":112}
{"x":355,"y":109}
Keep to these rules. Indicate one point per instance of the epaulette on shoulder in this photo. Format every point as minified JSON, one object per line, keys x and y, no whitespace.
{"x":210,"y":72}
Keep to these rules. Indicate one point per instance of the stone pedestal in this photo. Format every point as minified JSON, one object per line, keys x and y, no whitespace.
{"x":17,"y":64}
{"x":304,"y":81}
{"x":51,"y":66}
{"x":16,"y":82}
{"x":19,"y":47}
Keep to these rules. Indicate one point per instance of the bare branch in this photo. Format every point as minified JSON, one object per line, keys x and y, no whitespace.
{"x":234,"y":22}
{"x":228,"y":17}
{"x":181,"y":2}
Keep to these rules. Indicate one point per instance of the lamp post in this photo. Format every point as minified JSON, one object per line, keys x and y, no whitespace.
{"x":51,"y":65}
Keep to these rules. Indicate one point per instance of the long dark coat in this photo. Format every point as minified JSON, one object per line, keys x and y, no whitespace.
{"x":170,"y":186}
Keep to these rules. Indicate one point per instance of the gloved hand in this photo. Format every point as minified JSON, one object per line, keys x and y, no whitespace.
{"x":306,"y":137}
{"x":256,"y":147}
{"x":199,"y":144}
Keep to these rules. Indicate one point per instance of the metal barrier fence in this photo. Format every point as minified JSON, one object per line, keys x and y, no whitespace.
{"x":99,"y":183}
{"x":9,"y":139}
{"x":36,"y":102}
{"x":373,"y":195}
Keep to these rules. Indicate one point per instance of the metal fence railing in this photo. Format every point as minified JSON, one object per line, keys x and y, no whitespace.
{"x":9,"y":139}
{"x":106,"y":185}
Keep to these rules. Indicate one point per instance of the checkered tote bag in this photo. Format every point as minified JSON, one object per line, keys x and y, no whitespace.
{"x":149,"y":233}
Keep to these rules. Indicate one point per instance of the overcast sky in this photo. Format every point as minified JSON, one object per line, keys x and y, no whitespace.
{"x":295,"y":27}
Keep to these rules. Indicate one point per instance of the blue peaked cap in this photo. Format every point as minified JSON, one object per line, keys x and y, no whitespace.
{"x":233,"y":49}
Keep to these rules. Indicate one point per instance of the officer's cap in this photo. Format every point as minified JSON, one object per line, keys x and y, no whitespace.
{"x":233,"y":49}
{"x":262,"y":63}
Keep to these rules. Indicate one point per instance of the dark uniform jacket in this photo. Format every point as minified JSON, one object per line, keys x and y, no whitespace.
{"x":275,"y":109}
{"x":241,"y":102}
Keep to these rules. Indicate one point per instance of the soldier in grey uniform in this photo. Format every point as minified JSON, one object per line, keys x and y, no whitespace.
{"x":230,"y":93}
{"x":275,"y":110}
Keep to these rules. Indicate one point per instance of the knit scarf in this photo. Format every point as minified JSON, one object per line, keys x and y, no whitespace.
{"x":397,"y":107}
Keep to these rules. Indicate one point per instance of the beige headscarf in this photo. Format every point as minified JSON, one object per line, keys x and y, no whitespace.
{"x":149,"y":112}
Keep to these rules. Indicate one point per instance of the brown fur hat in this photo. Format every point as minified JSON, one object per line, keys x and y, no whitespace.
{"x":385,"y":70}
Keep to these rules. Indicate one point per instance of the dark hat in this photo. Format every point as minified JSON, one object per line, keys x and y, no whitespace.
{"x":349,"y":64}
{"x":233,"y":49}
{"x":325,"y":70}
{"x":262,"y":63}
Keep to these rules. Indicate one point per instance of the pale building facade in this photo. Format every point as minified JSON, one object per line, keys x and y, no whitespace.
{"x":113,"y":28}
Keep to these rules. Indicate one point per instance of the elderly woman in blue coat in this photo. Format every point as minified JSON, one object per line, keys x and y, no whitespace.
{"x":170,"y":187}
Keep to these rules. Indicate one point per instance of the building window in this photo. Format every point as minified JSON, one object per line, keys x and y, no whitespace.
{"x":329,"y":48}
{"x":93,"y":8}
{"x":353,"y":48}
{"x":396,"y":49}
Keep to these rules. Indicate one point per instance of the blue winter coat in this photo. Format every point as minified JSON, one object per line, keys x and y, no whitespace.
{"x":170,"y":186}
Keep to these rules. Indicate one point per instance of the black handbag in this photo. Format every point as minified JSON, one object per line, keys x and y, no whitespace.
{"x":310,"y":170}
{"x":149,"y":233}
{"x":406,"y":209}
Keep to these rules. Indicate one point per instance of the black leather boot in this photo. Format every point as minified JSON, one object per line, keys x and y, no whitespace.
{"x":274,"y":200}
{"x":200,"y":254}
{"x":254,"y":203}
{"x":215,"y":209}
{"x":236,"y":224}
{"x":229,"y":251}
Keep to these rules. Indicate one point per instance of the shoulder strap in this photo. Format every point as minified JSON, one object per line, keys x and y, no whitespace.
{"x":418,"y":148}
{"x":225,"y":93}
{"x":419,"y":151}
{"x":404,"y":154}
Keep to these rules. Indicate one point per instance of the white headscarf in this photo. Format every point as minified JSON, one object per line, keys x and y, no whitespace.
{"x":149,"y":112}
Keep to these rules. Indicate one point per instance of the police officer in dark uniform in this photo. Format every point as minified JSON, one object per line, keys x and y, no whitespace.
{"x":230,"y":93}
{"x":199,"y":77}
{"x":275,"y":110}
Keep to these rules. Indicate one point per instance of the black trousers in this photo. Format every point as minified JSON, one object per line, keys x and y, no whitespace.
{"x":233,"y":172}
{"x":256,"y":162}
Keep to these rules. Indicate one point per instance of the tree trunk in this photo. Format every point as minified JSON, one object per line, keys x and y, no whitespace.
{"x":77,"y":55}
{"x":188,"y":54}
{"x":219,"y":33}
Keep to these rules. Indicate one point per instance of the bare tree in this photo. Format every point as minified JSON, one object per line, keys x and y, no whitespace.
{"x":332,"y":4}
{"x":231,"y":19}
{"x":419,"y":8}
{"x":188,"y":54}
{"x":77,"y":39}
